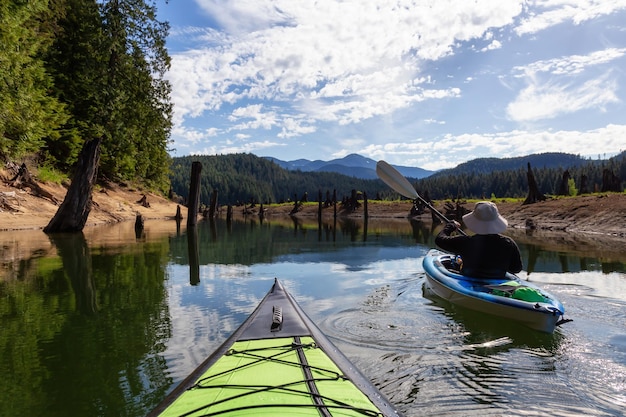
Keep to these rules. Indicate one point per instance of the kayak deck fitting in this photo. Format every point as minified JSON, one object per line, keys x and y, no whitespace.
{"x":277,"y":363}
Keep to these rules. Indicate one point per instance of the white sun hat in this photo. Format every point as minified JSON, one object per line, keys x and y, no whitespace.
{"x":485,"y":219}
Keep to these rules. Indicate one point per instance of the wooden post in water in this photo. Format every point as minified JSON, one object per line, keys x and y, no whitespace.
{"x":213,"y":205}
{"x":319,"y":206}
{"x":139,"y":224}
{"x":229,"y":213}
{"x":193,"y":202}
{"x":366,"y":215}
{"x":193,"y":253}
{"x":365,"y":205}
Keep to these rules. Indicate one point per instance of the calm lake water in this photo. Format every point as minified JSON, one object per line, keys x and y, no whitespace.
{"x":106,"y":323}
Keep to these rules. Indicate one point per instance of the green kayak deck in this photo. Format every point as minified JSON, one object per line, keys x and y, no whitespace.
{"x":278,"y":363}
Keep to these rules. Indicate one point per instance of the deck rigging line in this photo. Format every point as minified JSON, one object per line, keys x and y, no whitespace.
{"x":323,"y":403}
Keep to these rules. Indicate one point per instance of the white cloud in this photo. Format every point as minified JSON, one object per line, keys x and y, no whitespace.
{"x":256,"y":117}
{"x":450,"y":150}
{"x":495,"y":44}
{"x":554,"y":87}
{"x":548,"y":13}
{"x":311,"y":79}
{"x":352,"y":50}
{"x":545,"y":101}
{"x":295,"y":127}
{"x":573,"y":64}
{"x":237,"y":147}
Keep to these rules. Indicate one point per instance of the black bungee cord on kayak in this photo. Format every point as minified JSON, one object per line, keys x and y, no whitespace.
{"x":275,"y":358}
{"x":321,"y":402}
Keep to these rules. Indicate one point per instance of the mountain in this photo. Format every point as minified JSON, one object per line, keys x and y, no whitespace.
{"x":536,"y":161}
{"x":352,"y":165}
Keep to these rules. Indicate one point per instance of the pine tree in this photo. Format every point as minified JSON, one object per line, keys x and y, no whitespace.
{"x":27,"y":113}
{"x":128,"y":127}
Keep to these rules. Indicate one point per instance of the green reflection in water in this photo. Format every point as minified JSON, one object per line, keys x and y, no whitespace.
{"x":81,"y":332}
{"x":85,"y":323}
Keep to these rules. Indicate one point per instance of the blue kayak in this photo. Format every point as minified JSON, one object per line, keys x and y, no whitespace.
{"x":508,"y":297}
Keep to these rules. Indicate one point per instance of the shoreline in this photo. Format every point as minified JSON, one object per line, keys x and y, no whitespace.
{"x":601,"y":214}
{"x":589,"y":226}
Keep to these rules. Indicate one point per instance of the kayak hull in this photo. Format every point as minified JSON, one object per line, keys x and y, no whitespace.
{"x":479,"y":295}
{"x":277,"y":363}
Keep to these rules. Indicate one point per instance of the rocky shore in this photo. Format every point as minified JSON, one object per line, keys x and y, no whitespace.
{"x":601,"y":214}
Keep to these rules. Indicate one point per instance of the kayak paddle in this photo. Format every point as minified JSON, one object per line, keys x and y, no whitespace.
{"x":395,"y":180}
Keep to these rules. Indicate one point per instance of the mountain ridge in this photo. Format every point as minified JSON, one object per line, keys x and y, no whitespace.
{"x":353,"y":165}
{"x":361,"y":167}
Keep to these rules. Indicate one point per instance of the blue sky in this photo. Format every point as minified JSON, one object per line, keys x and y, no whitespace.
{"x":423,"y":83}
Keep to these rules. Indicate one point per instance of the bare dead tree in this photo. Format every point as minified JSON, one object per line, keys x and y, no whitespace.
{"x":534,"y":195}
{"x":74,"y":211}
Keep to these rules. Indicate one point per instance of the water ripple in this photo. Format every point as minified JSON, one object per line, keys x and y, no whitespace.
{"x":432,"y":358}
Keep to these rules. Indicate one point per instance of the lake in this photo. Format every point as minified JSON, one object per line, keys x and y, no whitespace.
{"x":107,"y":322}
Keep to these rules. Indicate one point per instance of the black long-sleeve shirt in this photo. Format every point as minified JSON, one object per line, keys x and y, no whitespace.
{"x":489,"y":256}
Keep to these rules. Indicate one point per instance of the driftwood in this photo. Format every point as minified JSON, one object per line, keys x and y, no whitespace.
{"x":351,"y":204}
{"x":297,"y":206}
{"x":23,"y":179}
{"x":144,"y":201}
{"x":420,"y":205}
{"x":455,"y":211}
{"x":5,"y":198}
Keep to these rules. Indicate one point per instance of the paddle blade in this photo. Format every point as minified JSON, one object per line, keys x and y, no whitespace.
{"x":395,"y":180}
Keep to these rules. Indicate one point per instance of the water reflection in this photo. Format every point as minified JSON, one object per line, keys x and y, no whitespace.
{"x":482,"y":330}
{"x":76,"y":259}
{"x":103,"y":323}
{"x":193,"y":253}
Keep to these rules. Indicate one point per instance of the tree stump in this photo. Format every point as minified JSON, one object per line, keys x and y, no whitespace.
{"x":564,"y":186}
{"x":610,"y":182}
{"x":534,"y":195}
{"x":229,"y":213}
{"x":584,"y":186}
{"x":213,"y":205}
{"x":194,"y":194}
{"x":74,"y":211}
{"x":144,"y":201}
{"x":139,"y":225}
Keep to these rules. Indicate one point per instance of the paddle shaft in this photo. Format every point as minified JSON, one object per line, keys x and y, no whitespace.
{"x":393,"y":178}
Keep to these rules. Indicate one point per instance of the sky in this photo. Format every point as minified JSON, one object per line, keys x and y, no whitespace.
{"x":421,"y":83}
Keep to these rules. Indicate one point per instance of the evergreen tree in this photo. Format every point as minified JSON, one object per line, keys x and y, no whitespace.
{"x":78,"y":62}
{"x":131,"y":115}
{"x":109,"y":63}
{"x":139,"y":118}
{"x":27,"y":113}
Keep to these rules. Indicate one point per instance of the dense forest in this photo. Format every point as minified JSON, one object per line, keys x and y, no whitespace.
{"x":77,"y":71}
{"x":245,"y":178}
{"x":573,"y":176}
